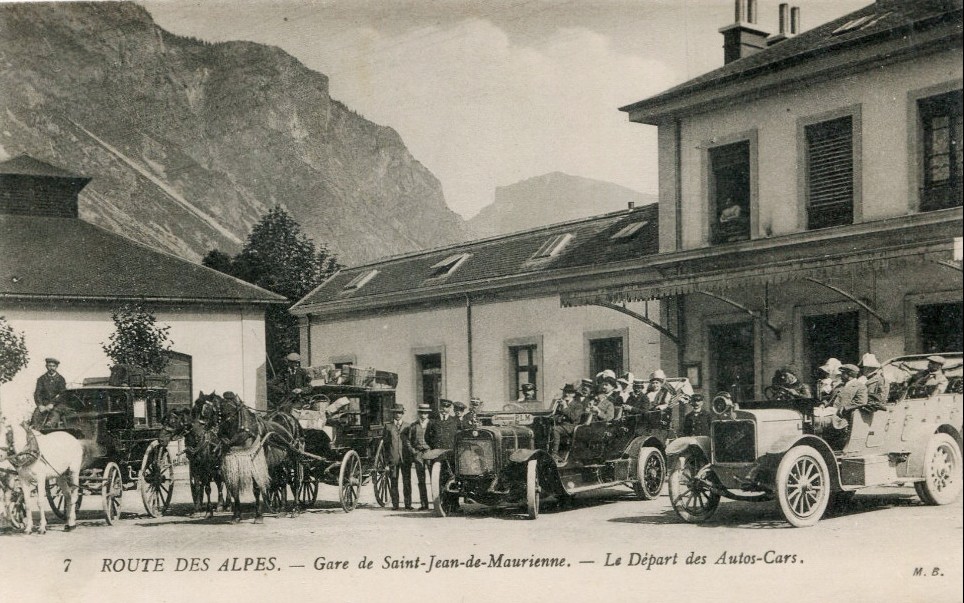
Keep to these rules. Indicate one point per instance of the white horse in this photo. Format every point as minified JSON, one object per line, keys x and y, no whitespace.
{"x":56,"y":455}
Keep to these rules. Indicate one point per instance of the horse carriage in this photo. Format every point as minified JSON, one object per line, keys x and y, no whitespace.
{"x":342,"y":425}
{"x":119,"y":423}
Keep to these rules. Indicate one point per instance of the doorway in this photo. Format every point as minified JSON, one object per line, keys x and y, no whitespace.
{"x":732,"y":358}
{"x":428,"y":370}
{"x":939,"y":328}
{"x":830,"y":336}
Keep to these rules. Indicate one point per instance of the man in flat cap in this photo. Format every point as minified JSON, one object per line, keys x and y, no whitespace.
{"x":565,"y":416}
{"x":292,"y":382}
{"x":697,"y":422}
{"x":49,"y":386}
{"x":850,"y":395}
{"x":459,"y":409}
{"x":585,"y":390}
{"x":528,"y":392}
{"x":397,"y":456}
{"x":638,"y":400}
{"x":932,"y":379}
{"x":417,"y":446}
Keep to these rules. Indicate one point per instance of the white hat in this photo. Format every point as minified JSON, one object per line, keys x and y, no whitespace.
{"x":831,"y":366}
{"x":869,"y":361}
{"x":626,"y":379}
{"x":657,"y":374}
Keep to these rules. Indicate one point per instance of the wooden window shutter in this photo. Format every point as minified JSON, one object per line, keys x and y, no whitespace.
{"x":830,"y":173}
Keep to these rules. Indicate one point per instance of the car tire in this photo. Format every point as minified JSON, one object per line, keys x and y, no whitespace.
{"x":691,"y":499}
{"x":533,"y":489}
{"x":435,"y":484}
{"x":650,"y":473}
{"x":942,"y":471}
{"x":803,"y":486}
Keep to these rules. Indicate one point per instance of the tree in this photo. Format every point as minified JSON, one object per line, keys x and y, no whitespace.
{"x":279,"y":257}
{"x":137,"y":339}
{"x":13,"y":352}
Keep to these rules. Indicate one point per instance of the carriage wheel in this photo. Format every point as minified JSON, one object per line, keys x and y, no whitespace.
{"x":277,"y":495}
{"x":380,"y":476}
{"x":17,"y":510}
{"x":349,"y":481}
{"x":156,"y":479}
{"x":308,"y":493}
{"x":111,"y":490}
{"x":58,"y":501}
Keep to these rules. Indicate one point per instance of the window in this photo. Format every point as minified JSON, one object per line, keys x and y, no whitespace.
{"x":360,"y":281}
{"x":629,"y":231}
{"x":448,"y":265}
{"x":730,"y":192}
{"x":830,"y":173}
{"x":939,"y":328}
{"x":522,"y":359}
{"x":940,"y":119}
{"x":606,"y":353}
{"x":552,"y":246}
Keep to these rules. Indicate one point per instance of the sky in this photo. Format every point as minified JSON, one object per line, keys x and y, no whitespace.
{"x":488,"y":93}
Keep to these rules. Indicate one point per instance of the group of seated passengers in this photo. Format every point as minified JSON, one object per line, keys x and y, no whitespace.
{"x":604,"y":398}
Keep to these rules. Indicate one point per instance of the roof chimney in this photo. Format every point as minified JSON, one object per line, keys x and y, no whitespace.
{"x":787,"y":27}
{"x":631,"y":204}
{"x":795,"y":23}
{"x":743,"y":37}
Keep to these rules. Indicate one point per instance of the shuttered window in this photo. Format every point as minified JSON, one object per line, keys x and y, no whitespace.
{"x":830,"y":173}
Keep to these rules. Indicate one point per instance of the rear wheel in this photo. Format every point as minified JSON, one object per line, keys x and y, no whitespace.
{"x":111,"y":491}
{"x":942,"y":471}
{"x":692,"y":498}
{"x":380,"y":476}
{"x":309,"y":490}
{"x":803,"y":486}
{"x":650,"y":473}
{"x":533,"y":489}
{"x":349,"y":481}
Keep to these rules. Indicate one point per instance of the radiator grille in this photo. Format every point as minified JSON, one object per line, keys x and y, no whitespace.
{"x":734,"y":441}
{"x":476,"y":457}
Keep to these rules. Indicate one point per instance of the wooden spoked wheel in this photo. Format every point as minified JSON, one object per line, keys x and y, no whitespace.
{"x":692,"y":499}
{"x":112,"y":490}
{"x":58,"y":500}
{"x":380,"y":476}
{"x":156,"y":480}
{"x":349,"y":481}
{"x":651,"y":472}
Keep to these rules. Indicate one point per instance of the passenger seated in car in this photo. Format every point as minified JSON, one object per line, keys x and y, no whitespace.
{"x":601,"y":408}
{"x":850,"y":395}
{"x":932,"y":379}
{"x":878,"y":390}
{"x":830,"y":379}
{"x":565,"y":416}
{"x":786,"y":378}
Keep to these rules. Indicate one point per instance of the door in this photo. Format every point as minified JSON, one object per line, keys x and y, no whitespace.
{"x":939,"y":328}
{"x":732,"y":359}
{"x":429,"y":374}
{"x":830,"y":336}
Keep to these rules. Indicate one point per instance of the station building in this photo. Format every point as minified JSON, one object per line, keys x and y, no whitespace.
{"x":61,"y":277}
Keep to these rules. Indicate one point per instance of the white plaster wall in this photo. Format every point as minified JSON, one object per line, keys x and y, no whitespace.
{"x":882,"y":95}
{"x":389,"y":342}
{"x":227,"y":348}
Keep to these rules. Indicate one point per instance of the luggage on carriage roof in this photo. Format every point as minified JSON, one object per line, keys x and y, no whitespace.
{"x":128,"y":375}
{"x":328,"y":374}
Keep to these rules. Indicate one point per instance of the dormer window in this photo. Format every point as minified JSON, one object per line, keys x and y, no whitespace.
{"x":553,"y":246}
{"x":448,"y":265}
{"x":360,"y":280}
{"x":628,"y":232}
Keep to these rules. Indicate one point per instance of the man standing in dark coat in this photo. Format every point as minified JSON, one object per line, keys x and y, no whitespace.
{"x":697,"y":422}
{"x":397,"y":456}
{"x":49,"y":385}
{"x":417,"y":446}
{"x":441,"y":432}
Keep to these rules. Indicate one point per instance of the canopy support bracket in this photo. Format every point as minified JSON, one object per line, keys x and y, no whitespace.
{"x":669,"y":334}
{"x":883,"y":321}
{"x":949,"y":264}
{"x":754,"y":313}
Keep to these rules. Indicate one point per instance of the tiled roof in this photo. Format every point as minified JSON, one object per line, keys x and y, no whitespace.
{"x":503,"y":256}
{"x":67,"y":258}
{"x":885,"y":19}
{"x":28,"y":166}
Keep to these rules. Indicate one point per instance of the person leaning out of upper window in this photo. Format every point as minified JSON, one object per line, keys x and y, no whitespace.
{"x":878,"y":390}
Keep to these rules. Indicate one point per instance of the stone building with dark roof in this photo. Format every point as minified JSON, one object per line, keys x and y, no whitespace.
{"x":60,"y":278}
{"x":483,"y":318}
{"x":810,"y":196}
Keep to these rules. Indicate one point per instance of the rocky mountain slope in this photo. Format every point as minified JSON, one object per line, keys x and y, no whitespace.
{"x":551,"y":198}
{"x":188,"y":143}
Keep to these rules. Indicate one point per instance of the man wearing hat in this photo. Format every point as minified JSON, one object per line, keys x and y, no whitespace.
{"x":848,"y":396}
{"x":878,"y":390}
{"x":471,"y":419}
{"x":459,"y":409}
{"x":528,"y":392}
{"x":602,"y":407}
{"x":625,"y":386}
{"x":49,"y":386}
{"x":584,"y":391}
{"x":292,"y":381}
{"x":638,"y":401}
{"x":697,"y":422}
{"x":441,"y":432}
{"x":565,"y":416}
{"x":397,"y":456}
{"x":656,"y":380}
{"x":418,"y":445}
{"x":932,"y":379}
{"x":829,"y":381}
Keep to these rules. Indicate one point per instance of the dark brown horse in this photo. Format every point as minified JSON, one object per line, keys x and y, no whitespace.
{"x":203,"y":450}
{"x":261,"y":451}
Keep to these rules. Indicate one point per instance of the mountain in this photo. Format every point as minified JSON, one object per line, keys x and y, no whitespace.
{"x":548,"y":199}
{"x":188,"y":143}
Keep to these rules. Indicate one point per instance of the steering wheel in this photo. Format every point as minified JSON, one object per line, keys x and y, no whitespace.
{"x":778,"y":393}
